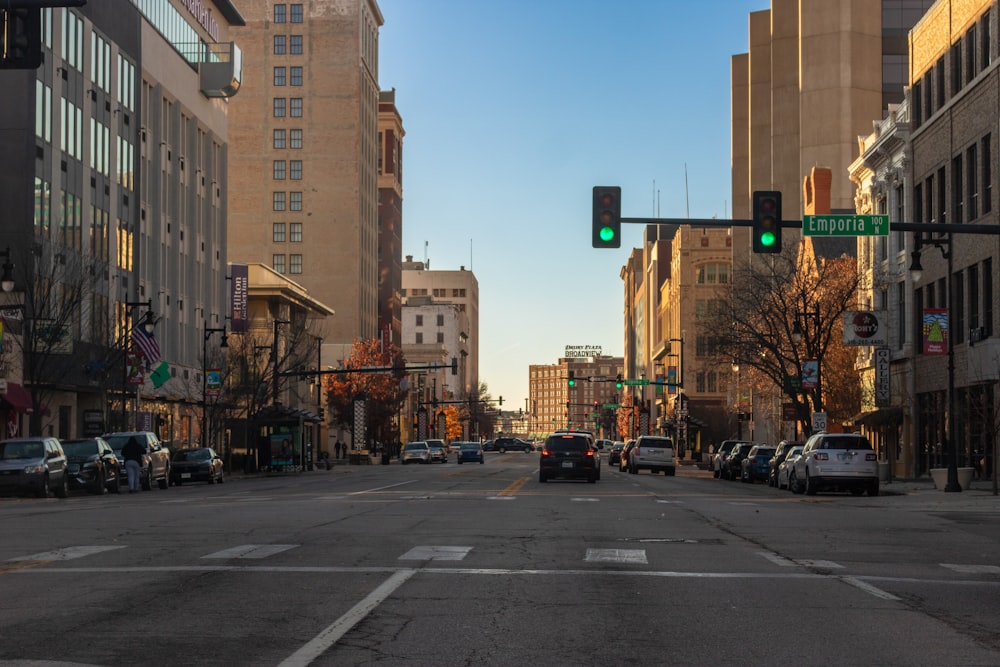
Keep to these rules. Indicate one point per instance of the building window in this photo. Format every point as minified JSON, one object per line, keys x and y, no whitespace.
{"x":297,"y":13}
{"x":279,"y":76}
{"x":939,"y":83}
{"x":956,"y":190}
{"x":278,"y":232}
{"x":278,"y":201}
{"x":440,"y":320}
{"x":279,"y":13}
{"x":278,"y":141}
{"x":296,"y":138}
{"x":420,"y":320}
{"x":295,"y":232}
{"x":900,"y":314}
{"x":440,"y":292}
{"x":987,"y":179}
{"x":972,"y":278}
{"x":956,"y":67}
{"x":917,"y":90}
{"x":420,"y":338}
{"x":942,"y":195}
{"x":296,"y":107}
{"x":957,"y":305}
{"x":279,"y":107}
{"x":713,"y":274}
{"x":296,"y":76}
{"x":972,"y":183}
{"x":918,"y":204}
{"x":278,"y":170}
{"x":295,"y":45}
{"x":918,"y":320}
{"x":295,"y":263}
{"x":988,"y":297}
{"x":295,"y":170}
{"x":970,"y":54}
{"x":984,"y":38}
{"x":278,"y":263}
{"x":295,"y":201}
{"x":440,"y":336}
{"x":279,"y":45}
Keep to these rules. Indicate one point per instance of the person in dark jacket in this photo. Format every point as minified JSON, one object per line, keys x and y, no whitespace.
{"x":133,"y":453}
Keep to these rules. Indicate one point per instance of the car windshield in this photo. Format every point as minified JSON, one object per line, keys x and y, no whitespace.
{"x":657,"y":442}
{"x":416,"y":446}
{"x":21,"y":450}
{"x":192,"y":455}
{"x":80,"y":448}
{"x":845,"y":443}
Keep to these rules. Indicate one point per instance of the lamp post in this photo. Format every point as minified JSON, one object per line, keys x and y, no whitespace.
{"x":148,"y":325}
{"x":274,"y":361}
{"x":204,"y":379}
{"x":736,"y":401}
{"x":943,"y":243}
{"x":812,"y":348}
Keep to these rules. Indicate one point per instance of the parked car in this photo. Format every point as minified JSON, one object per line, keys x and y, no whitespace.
{"x":837,"y":461}
{"x":757,"y":463}
{"x":626,"y":450}
{"x":654,"y":453}
{"x":416,"y":452}
{"x":437,"y":451}
{"x":732,"y":465}
{"x":508,"y":445}
{"x":571,"y":456}
{"x":780,"y":454}
{"x":156,"y":462}
{"x":720,"y":455}
{"x":785,"y":468}
{"x":92,"y":465}
{"x":197,"y":464}
{"x":36,"y":465}
{"x":470,"y":451}
{"x":615,"y":456}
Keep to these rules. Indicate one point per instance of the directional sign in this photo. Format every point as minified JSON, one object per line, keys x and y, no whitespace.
{"x":641,"y":382}
{"x":611,"y":406}
{"x":597,"y":378}
{"x":845,"y":225}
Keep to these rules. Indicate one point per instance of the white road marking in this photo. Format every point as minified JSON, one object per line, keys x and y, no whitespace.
{"x":319,"y":644}
{"x":776,"y":559}
{"x":501,"y":498}
{"x":670,"y":502}
{"x":868,"y":588}
{"x":436,"y":553}
{"x":381,"y":488}
{"x":973,"y":569}
{"x":825,"y":564}
{"x":251,"y":551}
{"x":583,"y":500}
{"x":177,"y":501}
{"x":67,"y":553}
{"x":616,"y":556}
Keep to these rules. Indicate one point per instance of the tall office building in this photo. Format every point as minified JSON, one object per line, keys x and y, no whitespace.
{"x":390,"y":215}
{"x":303,"y":195}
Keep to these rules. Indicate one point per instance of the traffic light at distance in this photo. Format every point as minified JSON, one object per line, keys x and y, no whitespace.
{"x":607,"y":226}
{"x":766,"y":222}
{"x":20,"y":38}
{"x":618,"y":381}
{"x":572,"y":379}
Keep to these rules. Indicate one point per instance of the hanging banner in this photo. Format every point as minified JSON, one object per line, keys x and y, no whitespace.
{"x":935,"y":330}
{"x":213,"y":382}
{"x":810,"y":374}
{"x":135,"y":364}
{"x":239,"y":297}
{"x":883,"y":395}
{"x":671,"y":380}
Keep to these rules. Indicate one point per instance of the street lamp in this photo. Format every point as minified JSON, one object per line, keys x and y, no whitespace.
{"x":798,"y":333}
{"x":148,"y":325}
{"x":274,"y":361}
{"x":736,"y":401}
{"x":916,"y":272}
{"x":204,"y":379}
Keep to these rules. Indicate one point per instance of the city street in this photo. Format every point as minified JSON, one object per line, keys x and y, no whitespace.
{"x":482,"y":565}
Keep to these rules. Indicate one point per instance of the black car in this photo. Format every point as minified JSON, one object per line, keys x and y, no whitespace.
{"x":92,"y":465}
{"x":623,"y":456}
{"x":198,"y":464}
{"x":571,"y":456}
{"x":507,"y":445}
{"x":733,"y":464}
{"x":615,"y":457}
{"x":780,"y":455}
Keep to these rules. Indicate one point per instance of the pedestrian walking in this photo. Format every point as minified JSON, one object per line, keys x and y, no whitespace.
{"x":341,"y":450}
{"x":133,"y":453}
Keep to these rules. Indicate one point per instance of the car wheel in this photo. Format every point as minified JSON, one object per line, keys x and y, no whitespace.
{"x":542,"y":478}
{"x":222,"y":477}
{"x":671,"y":472}
{"x":177,"y":482}
{"x":633,"y":470}
{"x":116,"y":486}
{"x":873,"y":489}
{"x":857,"y":491}
{"x":793,"y":483}
{"x":592,"y":479}
{"x":62,"y":491}
{"x":43,"y":490}
{"x":145,"y":482}
{"x":811,"y":487}
{"x":502,"y":450}
{"x":460,"y":462}
{"x":101,"y":483}
{"x":163,"y":482}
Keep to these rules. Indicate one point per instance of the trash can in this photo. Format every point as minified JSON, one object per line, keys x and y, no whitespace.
{"x":883,"y":471}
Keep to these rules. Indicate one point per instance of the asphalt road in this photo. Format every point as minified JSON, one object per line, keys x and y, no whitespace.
{"x":481,"y":565}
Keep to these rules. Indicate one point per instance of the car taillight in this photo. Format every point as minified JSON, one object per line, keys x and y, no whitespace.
{"x":590,"y":453}
{"x":546,"y":452}
{"x":870,"y":457}
{"x":822,"y":456}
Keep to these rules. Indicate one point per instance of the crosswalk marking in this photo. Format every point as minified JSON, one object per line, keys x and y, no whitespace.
{"x":776,"y":559}
{"x":436,"y":553}
{"x":616,"y":556}
{"x":972,"y":569}
{"x":826,"y":564}
{"x":251,"y":551}
{"x":67,"y":553}
{"x":584,"y":500}
{"x":802,"y":562}
{"x":501,"y":498}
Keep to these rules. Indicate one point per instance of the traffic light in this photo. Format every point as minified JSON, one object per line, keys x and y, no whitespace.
{"x":618,"y":381}
{"x":767,"y":222}
{"x":20,"y":38}
{"x":572,"y":379}
{"x":607,"y":217}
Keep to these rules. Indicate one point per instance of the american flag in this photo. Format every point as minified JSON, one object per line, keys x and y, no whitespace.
{"x":147,"y":343}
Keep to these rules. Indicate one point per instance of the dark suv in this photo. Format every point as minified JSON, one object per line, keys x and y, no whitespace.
{"x":780,"y":455}
{"x":508,"y":445}
{"x":732,"y":466}
{"x":569,"y":455}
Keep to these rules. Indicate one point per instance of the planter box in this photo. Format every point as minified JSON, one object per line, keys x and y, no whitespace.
{"x":940,"y":477}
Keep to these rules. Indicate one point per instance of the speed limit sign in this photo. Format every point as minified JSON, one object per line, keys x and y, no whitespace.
{"x":819,"y":421}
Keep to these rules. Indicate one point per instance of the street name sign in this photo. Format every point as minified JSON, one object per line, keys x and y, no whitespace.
{"x":845,"y":225}
{"x":641,"y":382}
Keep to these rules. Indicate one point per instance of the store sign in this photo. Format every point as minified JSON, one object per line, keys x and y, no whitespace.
{"x":883,"y":395}
{"x":582,"y":351}
{"x":866,"y":327}
{"x":202,"y":12}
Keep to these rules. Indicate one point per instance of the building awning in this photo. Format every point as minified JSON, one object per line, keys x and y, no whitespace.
{"x":285,"y":414}
{"x":17,"y":398}
{"x":890,"y":416}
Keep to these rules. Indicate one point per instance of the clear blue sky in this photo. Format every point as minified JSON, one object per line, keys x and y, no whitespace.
{"x":514,"y":110}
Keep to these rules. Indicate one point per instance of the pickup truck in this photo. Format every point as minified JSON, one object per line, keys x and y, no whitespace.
{"x":156,"y":462}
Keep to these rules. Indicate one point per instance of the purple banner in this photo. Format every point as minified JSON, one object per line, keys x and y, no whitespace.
{"x":239,"y":322}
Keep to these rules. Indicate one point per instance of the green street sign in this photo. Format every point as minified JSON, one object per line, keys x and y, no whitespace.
{"x":845,"y":225}
{"x":641,"y":382}
{"x":611,"y":406}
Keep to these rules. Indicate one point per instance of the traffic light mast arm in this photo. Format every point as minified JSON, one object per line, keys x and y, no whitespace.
{"x":929,"y":227}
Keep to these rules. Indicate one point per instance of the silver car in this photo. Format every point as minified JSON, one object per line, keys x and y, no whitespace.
{"x":37,"y":465}
{"x":416,"y":452}
{"x":655,"y":453}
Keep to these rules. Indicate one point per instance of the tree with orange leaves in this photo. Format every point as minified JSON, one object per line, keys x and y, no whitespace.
{"x":382,"y":391}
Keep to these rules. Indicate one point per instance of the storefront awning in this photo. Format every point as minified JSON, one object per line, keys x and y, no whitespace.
{"x":17,"y":398}
{"x":281,"y":413}
{"x":890,"y":416}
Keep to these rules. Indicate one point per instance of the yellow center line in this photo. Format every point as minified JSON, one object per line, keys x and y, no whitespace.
{"x":22,"y":565}
{"x":514,"y":487}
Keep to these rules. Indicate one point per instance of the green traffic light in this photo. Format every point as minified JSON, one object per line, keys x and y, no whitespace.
{"x":572,"y":383}
{"x":767,"y":239}
{"x":607,"y":234}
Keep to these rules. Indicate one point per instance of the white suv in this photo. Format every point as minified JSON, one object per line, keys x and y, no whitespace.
{"x":836,"y":461}
{"x":652,"y":452}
